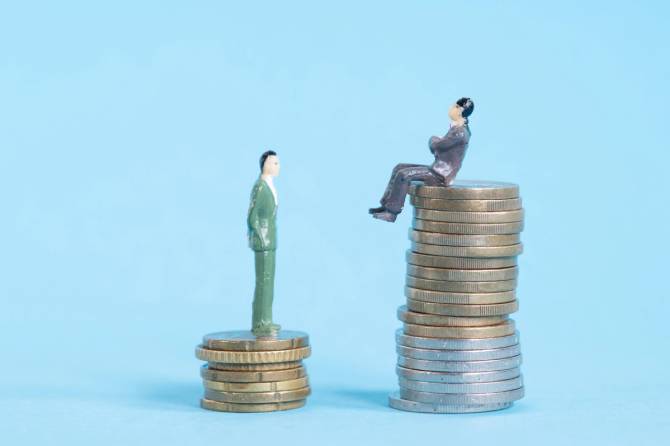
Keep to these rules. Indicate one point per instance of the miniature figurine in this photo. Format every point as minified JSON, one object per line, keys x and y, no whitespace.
{"x":261,"y":223}
{"x":449,"y":152}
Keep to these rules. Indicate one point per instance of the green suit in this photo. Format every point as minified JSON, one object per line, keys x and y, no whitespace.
{"x":262,"y":225}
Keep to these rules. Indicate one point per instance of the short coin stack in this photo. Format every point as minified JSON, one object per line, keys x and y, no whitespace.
{"x":245,"y":373}
{"x":458,"y":351}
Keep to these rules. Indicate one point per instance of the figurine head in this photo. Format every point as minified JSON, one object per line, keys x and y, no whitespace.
{"x":269,"y":164}
{"x":461,"y":109}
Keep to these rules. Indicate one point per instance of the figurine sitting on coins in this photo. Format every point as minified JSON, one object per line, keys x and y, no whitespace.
{"x":449,"y":152}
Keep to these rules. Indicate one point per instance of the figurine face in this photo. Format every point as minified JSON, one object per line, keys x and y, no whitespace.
{"x":455,"y":112}
{"x":271,"y":166}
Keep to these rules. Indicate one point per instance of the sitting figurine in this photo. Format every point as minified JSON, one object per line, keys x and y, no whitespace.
{"x":449,"y":152}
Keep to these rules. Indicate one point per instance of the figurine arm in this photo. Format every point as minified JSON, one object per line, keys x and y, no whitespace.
{"x":253,"y":219}
{"x":442,"y":144}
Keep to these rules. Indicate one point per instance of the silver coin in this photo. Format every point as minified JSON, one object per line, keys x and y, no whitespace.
{"x":456,"y":344}
{"x":446,"y":297}
{"x":460,"y":366}
{"x":458,"y":355}
{"x":463,"y":310}
{"x":467,"y":228}
{"x":457,"y":378}
{"x":432,"y":261}
{"x":460,"y":398}
{"x":488,"y":387}
{"x":461,"y":287}
{"x":414,"y":406}
{"x":467,"y":190}
{"x":469,"y":217}
{"x":468,"y":251}
{"x":463,"y":275}
{"x":434,"y":238}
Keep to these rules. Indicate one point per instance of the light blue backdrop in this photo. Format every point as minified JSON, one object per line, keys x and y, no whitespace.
{"x":129,"y":139}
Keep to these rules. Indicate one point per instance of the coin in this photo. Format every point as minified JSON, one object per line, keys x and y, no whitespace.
{"x":456,"y":344}
{"x":457,"y":378}
{"x":487,"y":387}
{"x":446,"y":321}
{"x":468,"y":251}
{"x":467,"y":228}
{"x":435,"y":238}
{"x":252,"y":377}
{"x":458,"y":355}
{"x":254,"y":357}
{"x":244,"y":340}
{"x":463,"y":275}
{"x":463,"y":310}
{"x":469,"y":217}
{"x":508,"y":204}
{"x":458,"y":262}
{"x":460,"y":366}
{"x":273,"y":386}
{"x":257,"y":397}
{"x":253,"y":367}
{"x":460,"y":398}
{"x":491,"y":331}
{"x":461,"y":287}
{"x":445,"y":297}
{"x":414,"y":406}
{"x":467,"y":190}
{"x":236,"y":407}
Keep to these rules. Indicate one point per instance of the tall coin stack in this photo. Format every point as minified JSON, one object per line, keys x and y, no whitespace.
{"x":459,"y":351}
{"x":245,"y":373}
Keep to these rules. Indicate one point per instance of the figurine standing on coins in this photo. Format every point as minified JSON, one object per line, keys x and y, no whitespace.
{"x":261,"y":222}
{"x":449,"y":152}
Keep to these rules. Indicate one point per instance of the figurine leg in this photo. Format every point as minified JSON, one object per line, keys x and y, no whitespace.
{"x":399,"y":185}
{"x":394,"y":173}
{"x":264,"y":293}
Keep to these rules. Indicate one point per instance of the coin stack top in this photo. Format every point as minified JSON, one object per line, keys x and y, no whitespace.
{"x":458,"y":351}
{"x":246,"y":373}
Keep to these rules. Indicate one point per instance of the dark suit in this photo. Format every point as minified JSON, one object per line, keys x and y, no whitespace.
{"x":449,"y":152}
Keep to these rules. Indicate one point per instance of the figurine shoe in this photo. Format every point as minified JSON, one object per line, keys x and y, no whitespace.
{"x":386,"y":216}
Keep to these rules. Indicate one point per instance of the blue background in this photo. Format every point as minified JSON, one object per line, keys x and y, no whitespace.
{"x":129,"y":139}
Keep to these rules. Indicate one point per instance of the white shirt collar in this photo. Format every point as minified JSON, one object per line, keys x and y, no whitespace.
{"x":270,"y":183}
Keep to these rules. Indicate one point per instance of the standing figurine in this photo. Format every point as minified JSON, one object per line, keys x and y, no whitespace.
{"x":449,"y":152}
{"x":262,"y":227}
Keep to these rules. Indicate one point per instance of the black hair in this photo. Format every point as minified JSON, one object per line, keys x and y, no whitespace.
{"x":468,"y":106}
{"x":264,"y":157}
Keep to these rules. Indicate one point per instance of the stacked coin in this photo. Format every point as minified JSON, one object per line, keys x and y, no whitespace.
{"x":245,"y":373}
{"x":459,"y":351}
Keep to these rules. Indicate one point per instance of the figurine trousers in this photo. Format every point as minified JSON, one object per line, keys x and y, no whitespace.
{"x":264,"y":292}
{"x":401,"y":177}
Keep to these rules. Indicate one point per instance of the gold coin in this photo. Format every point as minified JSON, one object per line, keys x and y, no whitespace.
{"x":435,"y":320}
{"x":467,"y":190}
{"x":469,"y":217}
{"x":468,"y":228}
{"x":419,"y":259}
{"x":245,"y":340}
{"x":510,"y":204}
{"x":257,"y":397}
{"x":235,"y":407}
{"x":264,"y":357}
{"x":463,"y":275}
{"x":468,"y":251}
{"x":490,"y":331}
{"x":251,"y":376}
{"x":277,"y":366}
{"x":444,"y":297}
{"x":463,"y":310}
{"x":274,"y":386}
{"x":434,"y":238}
{"x":461,"y":287}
